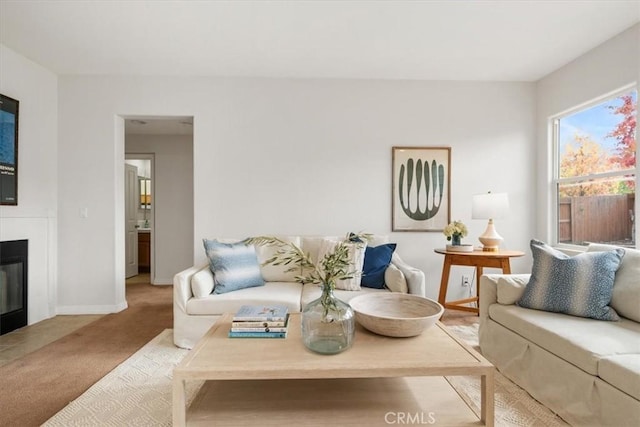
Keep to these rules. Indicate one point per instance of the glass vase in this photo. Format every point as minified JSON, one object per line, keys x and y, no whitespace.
{"x":456,"y":240}
{"x":328,"y":324}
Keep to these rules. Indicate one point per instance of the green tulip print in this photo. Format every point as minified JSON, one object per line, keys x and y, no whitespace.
{"x":422,"y":182}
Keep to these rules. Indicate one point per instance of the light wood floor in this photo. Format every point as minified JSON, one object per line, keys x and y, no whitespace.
{"x":30,"y":338}
{"x":22,"y":341}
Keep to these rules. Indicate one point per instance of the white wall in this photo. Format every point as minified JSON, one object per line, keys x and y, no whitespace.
{"x":172,"y":201}
{"x":34,"y":218}
{"x":290,"y":156}
{"x":314,"y":157}
{"x":608,"y":67}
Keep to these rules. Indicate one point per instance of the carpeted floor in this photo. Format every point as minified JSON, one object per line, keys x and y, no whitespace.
{"x":40,"y":384}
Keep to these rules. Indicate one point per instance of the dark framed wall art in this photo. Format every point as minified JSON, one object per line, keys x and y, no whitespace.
{"x":421,"y":188}
{"x":8,"y":150}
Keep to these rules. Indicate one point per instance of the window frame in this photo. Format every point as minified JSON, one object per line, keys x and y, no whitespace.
{"x":556,"y":181}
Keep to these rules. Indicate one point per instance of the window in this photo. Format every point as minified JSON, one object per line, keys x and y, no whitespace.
{"x":595,"y":171}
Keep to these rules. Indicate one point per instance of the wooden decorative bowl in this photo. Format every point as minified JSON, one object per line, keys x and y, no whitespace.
{"x":394,"y":314}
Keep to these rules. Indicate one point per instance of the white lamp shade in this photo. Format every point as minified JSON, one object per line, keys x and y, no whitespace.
{"x":490,"y":206}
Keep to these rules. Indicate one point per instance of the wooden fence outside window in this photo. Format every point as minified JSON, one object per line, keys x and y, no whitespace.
{"x":602,"y":219}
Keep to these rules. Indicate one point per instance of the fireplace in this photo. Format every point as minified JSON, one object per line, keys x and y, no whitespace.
{"x":13,"y":285}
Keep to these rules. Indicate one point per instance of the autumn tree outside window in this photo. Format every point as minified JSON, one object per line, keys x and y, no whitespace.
{"x":595,"y":173}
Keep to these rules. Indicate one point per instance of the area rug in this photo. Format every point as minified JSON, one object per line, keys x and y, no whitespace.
{"x":138,"y":392}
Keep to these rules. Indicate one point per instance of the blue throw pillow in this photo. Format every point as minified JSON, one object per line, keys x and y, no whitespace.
{"x":376,"y":261}
{"x":580,"y":285}
{"x":234,"y":266}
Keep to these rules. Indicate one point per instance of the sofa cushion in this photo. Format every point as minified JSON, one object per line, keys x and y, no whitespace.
{"x":202,"y":283}
{"x":311,"y":292}
{"x":272,"y":293}
{"x":276,"y":273}
{"x":234,"y":266}
{"x":580,"y":285}
{"x":626,"y":286}
{"x":622,"y":372}
{"x":356,"y":261}
{"x":395,"y":280}
{"x":580,"y":341}
{"x":376,"y":261}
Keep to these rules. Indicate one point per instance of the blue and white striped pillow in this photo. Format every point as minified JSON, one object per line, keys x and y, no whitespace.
{"x":234,"y":266}
{"x":581,"y":285}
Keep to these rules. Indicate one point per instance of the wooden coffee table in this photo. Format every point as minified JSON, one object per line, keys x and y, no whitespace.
{"x":379,"y":381}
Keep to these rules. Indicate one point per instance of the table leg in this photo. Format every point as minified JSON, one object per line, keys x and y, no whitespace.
{"x":506,"y":266}
{"x":479,"y":273}
{"x":487,"y":416}
{"x":179,"y":402}
{"x":444,"y":282}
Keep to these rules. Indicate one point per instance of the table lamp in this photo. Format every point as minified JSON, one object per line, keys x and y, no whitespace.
{"x":490,"y":206}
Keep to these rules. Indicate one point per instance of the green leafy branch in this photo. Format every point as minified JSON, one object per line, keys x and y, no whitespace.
{"x":333,"y":267}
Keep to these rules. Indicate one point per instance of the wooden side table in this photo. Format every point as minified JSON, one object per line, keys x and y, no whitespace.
{"x":479,"y":260}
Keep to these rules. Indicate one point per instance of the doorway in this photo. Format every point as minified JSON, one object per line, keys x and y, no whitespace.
{"x":139,"y":220}
{"x":165,"y":195}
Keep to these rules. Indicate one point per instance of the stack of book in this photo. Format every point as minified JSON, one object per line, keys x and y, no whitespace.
{"x":259,"y":321}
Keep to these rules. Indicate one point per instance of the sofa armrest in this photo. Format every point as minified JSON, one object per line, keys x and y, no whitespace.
{"x":488,"y":293}
{"x":182,"y":286}
{"x":414,"y":276}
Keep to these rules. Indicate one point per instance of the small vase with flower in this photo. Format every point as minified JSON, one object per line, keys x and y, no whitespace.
{"x":455,"y":231}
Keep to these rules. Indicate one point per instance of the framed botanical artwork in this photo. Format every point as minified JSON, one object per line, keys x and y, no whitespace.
{"x":8,"y":151}
{"x":421,"y":187}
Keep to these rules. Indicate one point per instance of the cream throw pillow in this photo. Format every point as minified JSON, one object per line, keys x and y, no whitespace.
{"x":276,"y":273}
{"x":625,"y":298}
{"x":202,"y":283}
{"x":394,"y":280}
{"x":511,"y":287}
{"x":356,"y":261}
{"x":310,"y":245}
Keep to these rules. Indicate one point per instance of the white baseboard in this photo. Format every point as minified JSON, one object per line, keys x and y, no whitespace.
{"x":90,"y":309}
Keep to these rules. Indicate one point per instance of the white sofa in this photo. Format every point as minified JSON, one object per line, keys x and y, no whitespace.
{"x":193,"y":316}
{"x":585,"y":370}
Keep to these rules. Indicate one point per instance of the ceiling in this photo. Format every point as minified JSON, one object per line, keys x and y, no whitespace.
{"x":476,"y":40}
